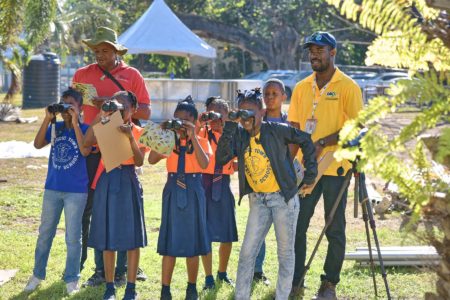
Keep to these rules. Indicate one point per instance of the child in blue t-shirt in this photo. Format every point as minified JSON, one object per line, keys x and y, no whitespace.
{"x":65,"y":188}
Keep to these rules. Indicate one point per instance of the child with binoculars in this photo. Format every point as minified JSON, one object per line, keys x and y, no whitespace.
{"x":220,"y":204}
{"x":65,"y":187}
{"x":118,"y":209}
{"x":183,"y":231}
{"x":267,"y":175}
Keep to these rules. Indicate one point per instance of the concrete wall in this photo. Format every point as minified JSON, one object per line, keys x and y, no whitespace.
{"x":165,"y":93}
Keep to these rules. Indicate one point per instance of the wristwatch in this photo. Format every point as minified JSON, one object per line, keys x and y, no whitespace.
{"x":322,"y":142}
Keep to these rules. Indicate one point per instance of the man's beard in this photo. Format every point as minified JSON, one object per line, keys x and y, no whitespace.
{"x":320,"y":67}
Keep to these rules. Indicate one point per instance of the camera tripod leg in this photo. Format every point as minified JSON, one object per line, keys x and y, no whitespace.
{"x":356,"y":196}
{"x":344,"y":186}
{"x":369,"y":244}
{"x":367,"y":208}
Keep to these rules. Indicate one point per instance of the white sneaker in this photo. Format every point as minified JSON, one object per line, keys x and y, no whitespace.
{"x":32,"y":284}
{"x":72,"y":287}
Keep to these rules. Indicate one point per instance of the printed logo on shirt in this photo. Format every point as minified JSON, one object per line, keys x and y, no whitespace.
{"x":122,"y":78}
{"x":331,"y":96}
{"x":258,"y":166}
{"x":65,"y":153}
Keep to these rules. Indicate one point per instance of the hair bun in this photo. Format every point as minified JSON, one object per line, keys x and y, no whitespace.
{"x":187,"y":100}
{"x":253,"y":95}
{"x":256,"y":92}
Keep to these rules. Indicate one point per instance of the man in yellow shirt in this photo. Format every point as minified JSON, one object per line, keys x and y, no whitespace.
{"x":320,"y":105}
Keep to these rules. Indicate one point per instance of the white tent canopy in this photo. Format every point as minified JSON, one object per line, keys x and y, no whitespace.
{"x":160,"y":31}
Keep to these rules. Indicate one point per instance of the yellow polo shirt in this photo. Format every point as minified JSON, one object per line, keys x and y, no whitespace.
{"x":258,"y":170}
{"x":340,"y":101}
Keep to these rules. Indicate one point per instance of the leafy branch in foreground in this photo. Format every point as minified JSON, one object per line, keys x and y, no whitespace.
{"x":417,"y":37}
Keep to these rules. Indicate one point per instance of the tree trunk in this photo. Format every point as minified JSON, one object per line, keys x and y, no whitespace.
{"x":16,"y":80}
{"x":285,"y":41}
{"x":278,"y":52}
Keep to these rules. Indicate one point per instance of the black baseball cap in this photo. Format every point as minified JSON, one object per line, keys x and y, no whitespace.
{"x":320,"y":38}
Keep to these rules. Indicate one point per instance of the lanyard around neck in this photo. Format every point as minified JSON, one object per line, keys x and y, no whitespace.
{"x":321,"y":91}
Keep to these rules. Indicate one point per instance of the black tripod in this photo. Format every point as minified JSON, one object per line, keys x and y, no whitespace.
{"x":361,"y":196}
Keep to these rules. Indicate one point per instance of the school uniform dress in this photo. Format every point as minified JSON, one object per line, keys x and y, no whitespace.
{"x":183,"y":231}
{"x":220,"y":203}
{"x":118,"y":209}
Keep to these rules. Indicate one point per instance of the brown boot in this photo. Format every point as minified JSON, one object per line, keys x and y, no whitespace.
{"x":327,"y":291}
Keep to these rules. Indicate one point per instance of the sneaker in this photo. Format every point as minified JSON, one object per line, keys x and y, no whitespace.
{"x":109,"y":295}
{"x":209,"y":287}
{"x":130,"y":295}
{"x":209,"y":283}
{"x":165,"y":292}
{"x":120,"y":280}
{"x":327,"y":291}
{"x":166,"y":296}
{"x":261,"y":277}
{"x":226,"y":280}
{"x":32,"y":284}
{"x":96,"y":279}
{"x":72,"y":287}
{"x":141,"y":275}
{"x":191,"y":294}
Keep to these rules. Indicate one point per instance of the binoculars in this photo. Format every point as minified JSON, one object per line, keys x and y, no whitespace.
{"x":174,"y":124}
{"x":242,"y":113}
{"x":210,"y":116}
{"x":111,"y":106}
{"x":58,"y":108}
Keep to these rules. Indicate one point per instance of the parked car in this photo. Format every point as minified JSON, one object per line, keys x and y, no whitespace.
{"x":290,"y":78}
{"x":361,"y":77}
{"x":264,"y":75}
{"x":380,"y":84}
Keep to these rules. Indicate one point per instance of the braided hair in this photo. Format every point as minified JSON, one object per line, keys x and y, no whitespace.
{"x":188,"y":105}
{"x":253,"y":96}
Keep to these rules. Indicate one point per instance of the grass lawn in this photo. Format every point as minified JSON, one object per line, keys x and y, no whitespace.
{"x":20,"y":205}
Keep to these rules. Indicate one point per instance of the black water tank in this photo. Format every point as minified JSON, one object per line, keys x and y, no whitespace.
{"x":41,"y":80}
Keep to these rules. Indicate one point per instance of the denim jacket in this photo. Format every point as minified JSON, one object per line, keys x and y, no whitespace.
{"x":274,"y":138}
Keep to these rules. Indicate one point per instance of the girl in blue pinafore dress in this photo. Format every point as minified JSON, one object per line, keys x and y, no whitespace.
{"x":220,"y":204}
{"x":118,"y":208}
{"x":183,"y":231}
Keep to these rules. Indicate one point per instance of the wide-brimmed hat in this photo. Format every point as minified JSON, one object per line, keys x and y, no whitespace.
{"x":106,"y":35}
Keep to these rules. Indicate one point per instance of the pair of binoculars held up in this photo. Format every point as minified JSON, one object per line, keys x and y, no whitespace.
{"x":112,"y":106}
{"x":210,"y":116}
{"x":58,"y":108}
{"x":242,"y":113}
{"x":174,"y":124}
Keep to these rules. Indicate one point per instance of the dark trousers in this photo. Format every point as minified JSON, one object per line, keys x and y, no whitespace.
{"x":92,"y":161}
{"x":329,"y":187}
